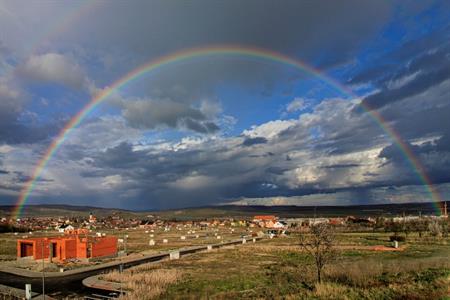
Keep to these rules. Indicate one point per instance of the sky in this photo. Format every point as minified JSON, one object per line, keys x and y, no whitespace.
{"x":225,"y":128}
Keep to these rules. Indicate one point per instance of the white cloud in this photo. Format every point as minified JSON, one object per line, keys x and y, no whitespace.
{"x":12,"y":101}
{"x":211,"y":109}
{"x":6,"y":149}
{"x":402,"y":81}
{"x":298,"y":104}
{"x":268,"y":130}
{"x":112,"y":181}
{"x":102,"y":133}
{"x":193,"y":181}
{"x":56,"y":68}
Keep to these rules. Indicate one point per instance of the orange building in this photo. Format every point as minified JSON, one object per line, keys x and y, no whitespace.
{"x":267,"y":221}
{"x":265,"y":218}
{"x":75,"y":244}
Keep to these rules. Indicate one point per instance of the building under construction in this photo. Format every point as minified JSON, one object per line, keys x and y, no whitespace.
{"x":76,"y":244}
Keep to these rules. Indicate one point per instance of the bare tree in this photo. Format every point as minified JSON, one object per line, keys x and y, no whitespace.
{"x":420,"y":226}
{"x":434,"y":228}
{"x":444,"y":225}
{"x":319,"y":243}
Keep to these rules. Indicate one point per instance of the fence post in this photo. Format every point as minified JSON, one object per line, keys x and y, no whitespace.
{"x":27,"y":291}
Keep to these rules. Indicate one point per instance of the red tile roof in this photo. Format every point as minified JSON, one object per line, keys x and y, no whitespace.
{"x":265,"y":218}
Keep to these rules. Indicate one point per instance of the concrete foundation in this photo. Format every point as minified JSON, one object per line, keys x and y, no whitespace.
{"x":174,"y":255}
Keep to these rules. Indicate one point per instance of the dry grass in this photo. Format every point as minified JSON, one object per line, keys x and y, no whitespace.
{"x":366,"y":273}
{"x":330,"y":291}
{"x":272,"y":248}
{"x":277,"y":269}
{"x":145,"y":281}
{"x":359,"y":274}
{"x":417,"y":264}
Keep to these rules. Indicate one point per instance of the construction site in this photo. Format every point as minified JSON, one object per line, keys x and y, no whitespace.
{"x":75,"y":244}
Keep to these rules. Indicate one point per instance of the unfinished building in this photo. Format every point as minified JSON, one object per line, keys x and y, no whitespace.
{"x":74,"y":244}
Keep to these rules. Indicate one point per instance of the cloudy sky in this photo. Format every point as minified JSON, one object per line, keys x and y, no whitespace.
{"x":225,"y":128}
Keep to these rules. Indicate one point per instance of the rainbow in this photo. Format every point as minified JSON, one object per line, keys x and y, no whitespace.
{"x":211,"y":51}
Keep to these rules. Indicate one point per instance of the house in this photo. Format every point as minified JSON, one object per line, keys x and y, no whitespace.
{"x":74,"y":244}
{"x":65,"y":227}
{"x":265,"y":218}
{"x":267,"y":221}
{"x":279,"y":225}
{"x":92,"y":218}
{"x":317,"y":221}
{"x":336,"y":221}
{"x":145,"y":224}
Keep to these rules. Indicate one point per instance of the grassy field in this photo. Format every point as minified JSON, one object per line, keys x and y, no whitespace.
{"x":277,"y":268}
{"x":137,"y":243}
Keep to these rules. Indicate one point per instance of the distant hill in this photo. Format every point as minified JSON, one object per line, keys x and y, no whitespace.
{"x":55,"y":210}
{"x":303,"y":211}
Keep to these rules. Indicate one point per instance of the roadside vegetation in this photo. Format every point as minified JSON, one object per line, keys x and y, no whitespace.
{"x":145,"y":281}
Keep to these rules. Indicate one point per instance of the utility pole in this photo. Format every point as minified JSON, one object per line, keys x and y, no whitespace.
{"x":43,"y":267}
{"x":121,"y":272}
{"x":445,"y":209}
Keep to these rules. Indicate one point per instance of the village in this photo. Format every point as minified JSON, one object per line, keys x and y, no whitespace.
{"x":76,"y":241}
{"x":60,"y":246}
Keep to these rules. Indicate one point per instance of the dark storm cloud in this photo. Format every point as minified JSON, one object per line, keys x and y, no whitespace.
{"x":18,"y":133}
{"x":121,"y":156}
{"x":2,"y":171}
{"x":201,"y":127}
{"x":422,"y":82}
{"x":21,"y":177}
{"x":434,"y":156}
{"x":174,"y":25}
{"x":414,"y":68}
{"x":154,"y":114}
{"x":296,"y":28}
{"x":14,"y":130}
{"x":254,"y":141}
{"x":169,"y":178}
{"x":339,"y":166}
{"x":418,"y":122}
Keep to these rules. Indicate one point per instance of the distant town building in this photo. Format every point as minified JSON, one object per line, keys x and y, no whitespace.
{"x":279,"y":225}
{"x":266,"y":221}
{"x":65,"y":227}
{"x":92,"y":218}
{"x":265,"y":218}
{"x":145,"y":224}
